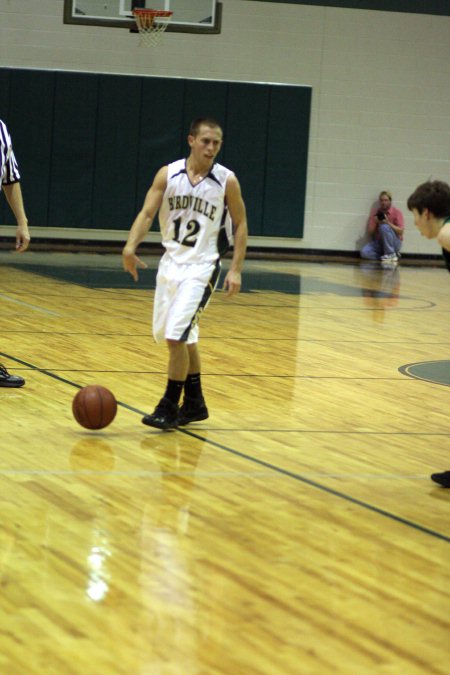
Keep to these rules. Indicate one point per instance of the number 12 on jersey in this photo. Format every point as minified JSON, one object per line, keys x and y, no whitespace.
{"x":192,"y":230}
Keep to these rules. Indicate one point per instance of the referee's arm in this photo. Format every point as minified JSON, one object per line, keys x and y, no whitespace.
{"x":13,"y":194}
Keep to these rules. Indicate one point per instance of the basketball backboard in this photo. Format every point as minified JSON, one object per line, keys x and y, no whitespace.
{"x":189,"y":16}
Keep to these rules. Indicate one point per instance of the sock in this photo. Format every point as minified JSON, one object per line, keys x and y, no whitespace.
{"x":193,"y":386}
{"x":173,"y":390}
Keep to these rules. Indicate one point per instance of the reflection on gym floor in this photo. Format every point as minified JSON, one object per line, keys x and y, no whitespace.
{"x":380,"y":286}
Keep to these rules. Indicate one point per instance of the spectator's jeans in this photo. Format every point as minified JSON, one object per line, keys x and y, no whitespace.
{"x":387,"y":244}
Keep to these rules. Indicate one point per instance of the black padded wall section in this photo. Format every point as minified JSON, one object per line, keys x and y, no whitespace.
{"x":88,"y":145}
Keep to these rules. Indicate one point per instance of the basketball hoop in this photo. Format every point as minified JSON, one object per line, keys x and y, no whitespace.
{"x":151,"y":24}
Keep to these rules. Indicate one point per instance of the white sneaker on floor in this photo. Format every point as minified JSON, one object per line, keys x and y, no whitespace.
{"x":391,"y":257}
{"x":389,"y":264}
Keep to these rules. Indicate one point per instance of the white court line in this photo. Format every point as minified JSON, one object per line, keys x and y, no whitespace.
{"x":26,"y":304}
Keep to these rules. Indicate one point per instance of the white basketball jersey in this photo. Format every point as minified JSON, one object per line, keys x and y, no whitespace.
{"x":192,"y":217}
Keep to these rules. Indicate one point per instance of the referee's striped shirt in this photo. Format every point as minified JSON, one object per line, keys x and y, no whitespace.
{"x":9,"y":170}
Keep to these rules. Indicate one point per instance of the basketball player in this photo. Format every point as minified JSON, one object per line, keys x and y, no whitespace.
{"x":430,"y":204}
{"x":10,"y":182}
{"x":195,"y":198}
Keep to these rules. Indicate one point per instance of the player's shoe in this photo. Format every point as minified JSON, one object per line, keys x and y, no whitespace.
{"x":192,"y":410}
{"x":7,"y":380}
{"x":442,"y":478}
{"x":391,"y":257}
{"x":164,"y":416}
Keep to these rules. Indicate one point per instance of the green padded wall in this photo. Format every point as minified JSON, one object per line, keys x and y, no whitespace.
{"x":284,"y":195}
{"x":160,"y":129}
{"x":88,"y":145}
{"x":116,"y":167}
{"x":246,"y":144}
{"x":73,"y":150}
{"x":27,"y":108}
{"x":439,"y":7}
{"x":5,"y":215}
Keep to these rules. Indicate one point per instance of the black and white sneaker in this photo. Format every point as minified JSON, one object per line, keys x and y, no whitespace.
{"x":192,"y":410}
{"x":164,"y":416}
{"x":442,"y":478}
{"x":7,"y":380}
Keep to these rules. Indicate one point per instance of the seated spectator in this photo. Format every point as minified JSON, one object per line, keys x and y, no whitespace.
{"x":385,"y":227}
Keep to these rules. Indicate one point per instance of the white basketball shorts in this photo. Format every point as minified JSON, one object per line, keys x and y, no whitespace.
{"x":182,"y":294}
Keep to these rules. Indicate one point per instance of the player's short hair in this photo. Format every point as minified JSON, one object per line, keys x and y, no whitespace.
{"x":433,"y":195}
{"x":203,"y":121}
{"x":387,"y":193}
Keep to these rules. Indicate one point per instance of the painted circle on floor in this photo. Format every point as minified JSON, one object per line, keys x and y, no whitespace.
{"x":437,"y":372}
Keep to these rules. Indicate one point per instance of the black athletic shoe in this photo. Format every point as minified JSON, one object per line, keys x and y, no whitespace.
{"x":442,"y":478}
{"x":164,"y":416}
{"x":7,"y":380}
{"x":192,"y":410}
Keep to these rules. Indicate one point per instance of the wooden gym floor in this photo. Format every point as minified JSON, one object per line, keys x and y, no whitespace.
{"x":294,"y":531}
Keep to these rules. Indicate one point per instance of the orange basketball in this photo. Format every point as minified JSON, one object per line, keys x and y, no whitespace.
{"x":94,"y":407}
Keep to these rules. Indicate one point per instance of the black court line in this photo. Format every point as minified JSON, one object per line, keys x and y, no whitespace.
{"x":268,"y":376}
{"x":63,"y":379}
{"x":262,"y":463}
{"x":324,"y":488}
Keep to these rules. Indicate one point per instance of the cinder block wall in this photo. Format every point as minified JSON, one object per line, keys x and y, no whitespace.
{"x":381,"y":89}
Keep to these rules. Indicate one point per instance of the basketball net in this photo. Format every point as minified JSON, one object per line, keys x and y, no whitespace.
{"x":151,"y":24}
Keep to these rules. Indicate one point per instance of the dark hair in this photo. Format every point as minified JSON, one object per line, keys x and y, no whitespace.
{"x":433,"y":195}
{"x":206,"y":121}
{"x":387,"y":193}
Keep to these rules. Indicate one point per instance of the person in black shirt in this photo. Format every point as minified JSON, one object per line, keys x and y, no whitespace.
{"x":430,"y":205}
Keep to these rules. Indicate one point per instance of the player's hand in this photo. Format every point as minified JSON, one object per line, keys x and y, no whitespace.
{"x":232,"y":283}
{"x":131,"y":262}
{"x":22,"y":238}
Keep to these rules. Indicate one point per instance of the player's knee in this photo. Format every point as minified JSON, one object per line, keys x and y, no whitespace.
{"x":173,"y":345}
